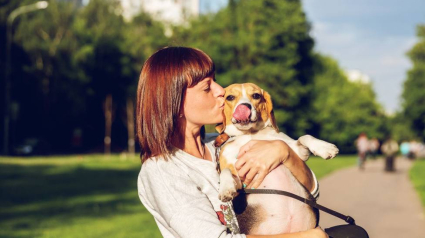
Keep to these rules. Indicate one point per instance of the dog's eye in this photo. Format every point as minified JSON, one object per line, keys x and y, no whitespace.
{"x":230,"y":98}
{"x":256,"y":96}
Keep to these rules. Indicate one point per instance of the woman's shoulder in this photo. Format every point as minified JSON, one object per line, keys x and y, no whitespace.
{"x":164,"y":169}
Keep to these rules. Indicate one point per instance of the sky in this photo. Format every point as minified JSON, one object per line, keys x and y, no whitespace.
{"x":370,"y":36}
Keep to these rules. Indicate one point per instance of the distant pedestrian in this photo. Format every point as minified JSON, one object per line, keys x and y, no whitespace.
{"x":373,"y":147}
{"x":414,"y":147}
{"x":405,"y":149}
{"x":362,"y":145}
{"x":389,"y":148}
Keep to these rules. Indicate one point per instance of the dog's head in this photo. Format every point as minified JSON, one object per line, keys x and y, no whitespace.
{"x":247,"y":109}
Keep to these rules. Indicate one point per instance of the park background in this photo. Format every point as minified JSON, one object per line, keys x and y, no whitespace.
{"x":70,"y":159}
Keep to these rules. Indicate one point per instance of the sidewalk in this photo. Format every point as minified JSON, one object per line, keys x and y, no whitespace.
{"x":385,"y":204}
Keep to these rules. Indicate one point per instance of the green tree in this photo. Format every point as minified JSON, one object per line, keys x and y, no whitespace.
{"x":266,"y":42}
{"x":48,"y":42}
{"x":413,"y":95}
{"x":343,"y":109}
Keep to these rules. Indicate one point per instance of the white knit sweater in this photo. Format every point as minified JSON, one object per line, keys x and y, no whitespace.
{"x":182,"y":196}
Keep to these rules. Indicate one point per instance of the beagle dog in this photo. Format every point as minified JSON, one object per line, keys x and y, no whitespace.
{"x":249,"y":116}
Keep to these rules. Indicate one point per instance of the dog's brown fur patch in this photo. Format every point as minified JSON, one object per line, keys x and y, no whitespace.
{"x":249,"y":217}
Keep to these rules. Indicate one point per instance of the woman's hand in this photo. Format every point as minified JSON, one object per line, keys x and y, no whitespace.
{"x":257,"y":158}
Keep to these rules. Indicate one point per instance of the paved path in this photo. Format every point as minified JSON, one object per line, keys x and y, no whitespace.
{"x":385,"y":204}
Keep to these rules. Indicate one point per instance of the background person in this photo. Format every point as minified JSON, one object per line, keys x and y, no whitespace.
{"x":405,"y":149}
{"x":389,"y":148}
{"x":373,"y":147}
{"x":362,"y":145}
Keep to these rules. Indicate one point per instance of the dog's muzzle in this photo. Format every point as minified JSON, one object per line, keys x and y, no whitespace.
{"x":243,"y":114}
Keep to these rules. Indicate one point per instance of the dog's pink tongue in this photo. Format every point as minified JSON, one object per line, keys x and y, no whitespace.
{"x":242,"y":113}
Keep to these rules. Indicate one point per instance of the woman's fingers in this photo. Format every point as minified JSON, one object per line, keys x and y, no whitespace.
{"x":241,"y":161}
{"x":254,"y":174}
{"x":242,"y":172}
{"x":250,"y":176}
{"x":245,"y":148}
{"x":258,"y":179}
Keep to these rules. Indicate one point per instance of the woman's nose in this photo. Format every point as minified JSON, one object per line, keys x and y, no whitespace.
{"x":219,"y":90}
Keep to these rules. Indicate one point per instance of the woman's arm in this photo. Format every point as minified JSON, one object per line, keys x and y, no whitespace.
{"x":258,"y":157}
{"x":313,"y":233}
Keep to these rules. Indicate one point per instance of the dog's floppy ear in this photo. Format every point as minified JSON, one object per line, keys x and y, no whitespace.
{"x":220,"y":128}
{"x":269,"y":109}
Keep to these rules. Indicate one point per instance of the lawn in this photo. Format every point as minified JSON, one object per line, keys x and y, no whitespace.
{"x":417,"y":176}
{"x":84,"y":196}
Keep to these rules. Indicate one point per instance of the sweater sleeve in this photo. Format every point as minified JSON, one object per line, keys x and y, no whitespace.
{"x":177,"y":203}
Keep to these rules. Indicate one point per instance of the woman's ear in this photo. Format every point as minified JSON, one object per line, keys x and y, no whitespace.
{"x":269,"y":110}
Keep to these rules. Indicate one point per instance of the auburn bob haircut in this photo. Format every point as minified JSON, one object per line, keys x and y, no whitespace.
{"x":161,"y":90}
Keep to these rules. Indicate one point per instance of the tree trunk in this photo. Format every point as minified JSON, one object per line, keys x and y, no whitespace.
{"x":108,"y":124}
{"x":130,"y":127}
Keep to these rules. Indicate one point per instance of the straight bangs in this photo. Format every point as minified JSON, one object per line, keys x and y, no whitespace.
{"x":163,"y":81}
{"x":198,"y":67}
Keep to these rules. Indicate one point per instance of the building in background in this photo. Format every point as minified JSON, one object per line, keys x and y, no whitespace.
{"x":357,"y":76}
{"x":167,"y":11}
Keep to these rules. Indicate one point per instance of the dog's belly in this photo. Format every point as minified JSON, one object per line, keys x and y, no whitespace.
{"x":277,"y":214}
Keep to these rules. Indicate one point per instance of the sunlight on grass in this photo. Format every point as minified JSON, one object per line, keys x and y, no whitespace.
{"x":84,"y":196}
{"x":417,"y":176}
{"x":323,"y":167}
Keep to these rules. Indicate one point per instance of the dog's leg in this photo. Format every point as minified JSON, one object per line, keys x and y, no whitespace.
{"x":229,"y":179}
{"x":228,"y":186}
{"x":318,"y":147}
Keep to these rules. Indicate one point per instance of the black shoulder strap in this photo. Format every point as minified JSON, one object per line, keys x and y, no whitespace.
{"x":309,"y":202}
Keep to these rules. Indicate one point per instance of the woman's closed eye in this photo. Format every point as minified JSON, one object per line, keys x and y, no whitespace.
{"x":207,"y":89}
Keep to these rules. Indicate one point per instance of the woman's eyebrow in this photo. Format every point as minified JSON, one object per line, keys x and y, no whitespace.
{"x":204,"y":83}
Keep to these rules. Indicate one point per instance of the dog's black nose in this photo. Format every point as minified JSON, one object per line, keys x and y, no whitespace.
{"x":247,"y":105}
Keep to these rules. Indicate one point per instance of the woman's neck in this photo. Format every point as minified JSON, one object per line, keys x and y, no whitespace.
{"x":190,"y":141}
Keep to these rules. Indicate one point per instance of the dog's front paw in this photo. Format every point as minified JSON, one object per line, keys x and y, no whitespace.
{"x":325,"y":150}
{"x":227,"y":195}
{"x":228,"y":186}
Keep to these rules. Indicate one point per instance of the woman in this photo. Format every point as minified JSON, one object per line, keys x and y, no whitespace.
{"x":178,"y":183}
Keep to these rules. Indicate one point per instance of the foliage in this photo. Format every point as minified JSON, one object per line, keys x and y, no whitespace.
{"x":67,"y":59}
{"x":70,"y":59}
{"x":401,"y":129}
{"x":413,"y":96}
{"x":270,"y":46}
{"x":343,"y":109}
{"x":84,"y":196}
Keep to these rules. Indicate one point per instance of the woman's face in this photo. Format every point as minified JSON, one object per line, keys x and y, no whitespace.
{"x":204,"y":103}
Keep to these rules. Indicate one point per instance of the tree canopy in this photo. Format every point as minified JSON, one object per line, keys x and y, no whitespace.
{"x":413,"y":94}
{"x":67,"y":59}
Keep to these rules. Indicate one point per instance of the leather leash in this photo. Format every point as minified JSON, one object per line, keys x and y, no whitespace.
{"x":309,"y":202}
{"x":223,"y":138}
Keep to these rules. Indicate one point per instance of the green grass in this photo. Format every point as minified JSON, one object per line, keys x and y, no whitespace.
{"x":417,"y":176}
{"x":84,"y":196}
{"x":88,"y":196}
{"x":323,"y":167}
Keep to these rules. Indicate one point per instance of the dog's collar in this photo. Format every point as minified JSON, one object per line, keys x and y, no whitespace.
{"x":221,"y":139}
